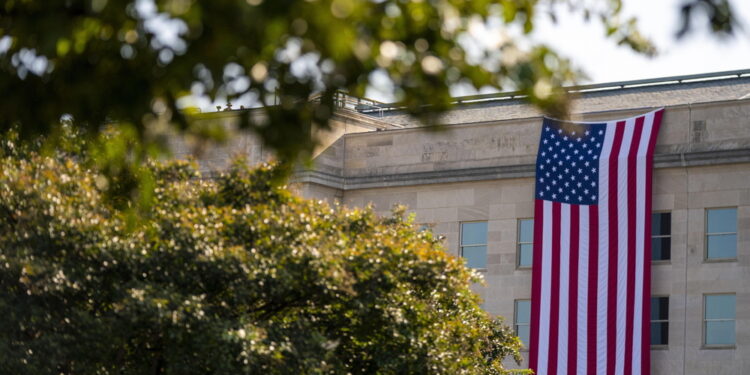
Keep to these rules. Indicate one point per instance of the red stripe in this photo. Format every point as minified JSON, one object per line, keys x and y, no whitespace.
{"x":613,"y":249}
{"x":646,"y":333}
{"x":593,"y":287}
{"x":630,"y":281}
{"x":573,"y":290}
{"x":536,"y":283}
{"x":554,"y":316}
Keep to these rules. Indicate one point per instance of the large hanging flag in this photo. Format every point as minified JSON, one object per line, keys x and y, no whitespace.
{"x":591,"y":276}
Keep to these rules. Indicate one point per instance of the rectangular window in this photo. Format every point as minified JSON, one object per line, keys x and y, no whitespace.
{"x":659,"y":320}
{"x":721,"y":233}
{"x":719,"y":312}
{"x":522,"y":319}
{"x":474,"y":243}
{"x":525,"y":242}
{"x":661,"y":236}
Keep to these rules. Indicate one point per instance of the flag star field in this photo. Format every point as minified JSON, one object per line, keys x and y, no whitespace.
{"x":568,"y":161}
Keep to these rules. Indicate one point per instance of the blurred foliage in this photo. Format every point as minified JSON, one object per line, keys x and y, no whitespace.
{"x":135,"y":62}
{"x":718,"y":13}
{"x":227,"y":276}
{"x":138,"y":65}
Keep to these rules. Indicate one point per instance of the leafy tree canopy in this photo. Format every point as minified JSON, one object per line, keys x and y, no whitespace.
{"x":135,"y":61}
{"x":226,"y":276}
{"x":137,"y":64}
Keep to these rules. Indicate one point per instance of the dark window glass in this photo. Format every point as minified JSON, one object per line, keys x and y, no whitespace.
{"x":659,"y":320}
{"x":661,"y":236}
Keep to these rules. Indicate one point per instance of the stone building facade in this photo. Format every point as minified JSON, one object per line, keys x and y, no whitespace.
{"x":480,"y":169}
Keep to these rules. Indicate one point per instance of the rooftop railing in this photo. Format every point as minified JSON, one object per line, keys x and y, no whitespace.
{"x":371,"y":106}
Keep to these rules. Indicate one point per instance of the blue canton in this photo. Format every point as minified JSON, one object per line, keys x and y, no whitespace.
{"x":567,"y":165}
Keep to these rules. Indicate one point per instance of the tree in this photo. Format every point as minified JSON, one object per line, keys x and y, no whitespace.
{"x":134,"y":64}
{"x":226,"y":276}
{"x":136,"y":61}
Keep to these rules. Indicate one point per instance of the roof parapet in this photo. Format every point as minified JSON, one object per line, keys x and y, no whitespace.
{"x":371,"y":106}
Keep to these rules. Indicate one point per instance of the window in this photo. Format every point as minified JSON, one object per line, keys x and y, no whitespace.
{"x":661,"y":236}
{"x":525,"y":243}
{"x":521,"y":320}
{"x":474,"y":243}
{"x":718,"y":319}
{"x":659,"y":320}
{"x":721,"y":233}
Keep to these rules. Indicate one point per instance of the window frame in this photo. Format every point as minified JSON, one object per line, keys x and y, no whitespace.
{"x":704,"y":321}
{"x":663,"y":261}
{"x":706,"y":235}
{"x":461,"y":246}
{"x":421,"y":227}
{"x":519,"y":243}
{"x":516,"y":324}
{"x":660,"y":346}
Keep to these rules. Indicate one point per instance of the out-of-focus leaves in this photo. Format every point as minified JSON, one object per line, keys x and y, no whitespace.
{"x":137,"y":63}
{"x":125,"y":61}
{"x":719,"y":14}
{"x":226,"y":276}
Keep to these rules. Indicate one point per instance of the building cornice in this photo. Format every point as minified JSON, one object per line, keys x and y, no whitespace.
{"x":683,"y":159}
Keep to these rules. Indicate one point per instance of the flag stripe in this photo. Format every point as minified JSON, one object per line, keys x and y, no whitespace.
{"x":564,"y":282}
{"x":641,"y":241}
{"x":536,"y":281}
{"x":573,"y":286}
{"x":613,"y":237}
{"x":583,"y":290}
{"x":544,"y":308}
{"x":645,"y":346}
{"x":593,"y":295}
{"x":555,"y":292}
{"x":633,"y":182}
{"x":604,"y":253}
{"x":623,"y":166}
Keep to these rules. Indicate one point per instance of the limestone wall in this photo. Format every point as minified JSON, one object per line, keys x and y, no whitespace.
{"x":702,"y":162}
{"x":481,"y":168}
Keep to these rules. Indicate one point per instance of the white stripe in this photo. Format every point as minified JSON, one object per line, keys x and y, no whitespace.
{"x":583,"y":289}
{"x":640,"y":215}
{"x":601,"y":293}
{"x":562,"y":333}
{"x":622,"y":246}
{"x":544,"y":313}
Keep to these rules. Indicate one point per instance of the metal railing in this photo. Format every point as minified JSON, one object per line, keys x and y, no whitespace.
{"x":343,"y":100}
{"x":370,"y":106}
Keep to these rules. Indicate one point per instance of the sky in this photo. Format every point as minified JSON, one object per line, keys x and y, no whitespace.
{"x":604,"y":61}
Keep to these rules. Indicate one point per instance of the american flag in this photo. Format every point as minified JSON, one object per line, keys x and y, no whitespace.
{"x":591,"y":276}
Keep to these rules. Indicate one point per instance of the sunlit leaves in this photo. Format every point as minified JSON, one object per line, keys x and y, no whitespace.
{"x":109,"y":61}
{"x":100,"y":60}
{"x":233,"y":275}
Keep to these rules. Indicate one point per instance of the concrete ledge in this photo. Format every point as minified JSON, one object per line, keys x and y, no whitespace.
{"x":687,"y":159}
{"x":320,"y":178}
{"x":347,"y":115}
